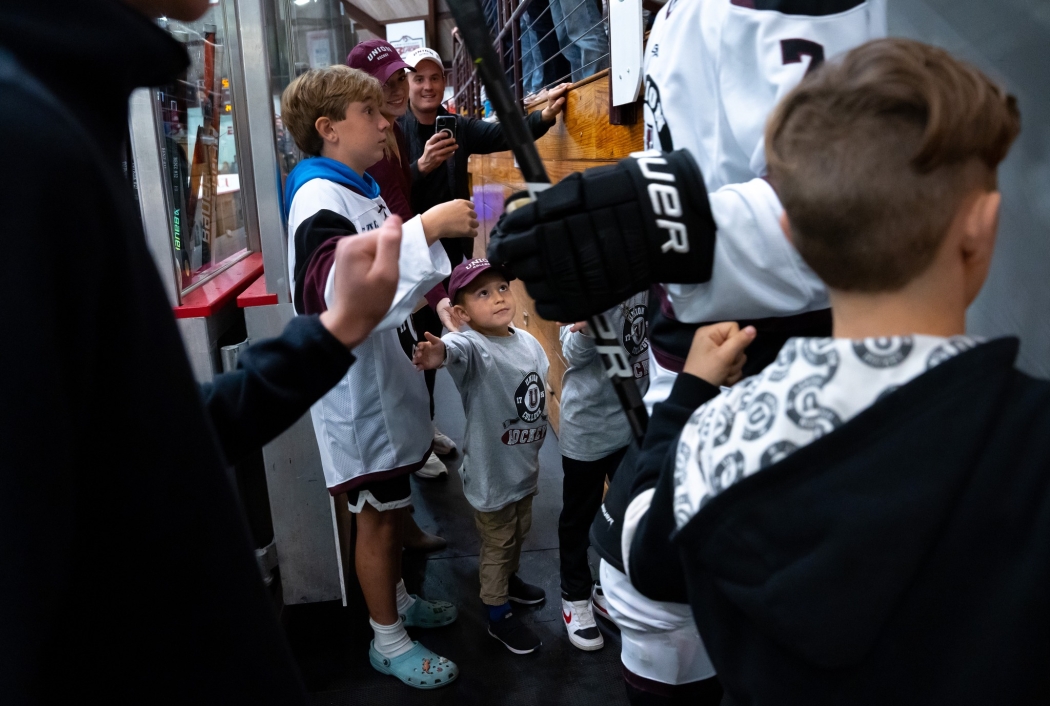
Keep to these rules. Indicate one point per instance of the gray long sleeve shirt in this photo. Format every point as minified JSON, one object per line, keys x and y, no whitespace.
{"x":503,"y":383}
{"x":593,"y":424}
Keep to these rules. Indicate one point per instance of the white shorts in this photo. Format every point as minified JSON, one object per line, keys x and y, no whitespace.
{"x":661,"y":380}
{"x":660,"y":640}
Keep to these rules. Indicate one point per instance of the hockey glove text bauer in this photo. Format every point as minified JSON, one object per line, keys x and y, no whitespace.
{"x":599,"y":236}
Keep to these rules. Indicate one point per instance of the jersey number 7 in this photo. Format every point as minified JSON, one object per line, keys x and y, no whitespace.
{"x":792,"y":51}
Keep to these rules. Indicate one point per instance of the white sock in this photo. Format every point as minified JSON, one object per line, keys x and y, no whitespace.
{"x":391,"y":640}
{"x":404,"y":601}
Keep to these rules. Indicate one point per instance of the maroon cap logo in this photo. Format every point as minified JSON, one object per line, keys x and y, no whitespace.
{"x":377,"y":58}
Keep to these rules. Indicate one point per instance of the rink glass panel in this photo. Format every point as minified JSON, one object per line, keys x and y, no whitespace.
{"x":199,"y":154}
{"x":302,"y":36}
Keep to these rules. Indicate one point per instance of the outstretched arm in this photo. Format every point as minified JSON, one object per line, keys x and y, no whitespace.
{"x":577,"y":344}
{"x":429,"y":354}
{"x":650,"y":560}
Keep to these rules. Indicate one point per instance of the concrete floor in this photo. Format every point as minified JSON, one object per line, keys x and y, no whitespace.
{"x":330,"y":642}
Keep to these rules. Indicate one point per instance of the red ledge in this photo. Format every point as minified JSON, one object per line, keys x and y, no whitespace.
{"x":256,"y":295}
{"x":216,"y":292}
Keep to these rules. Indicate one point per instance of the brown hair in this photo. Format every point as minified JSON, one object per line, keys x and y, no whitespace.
{"x":873,"y":154}
{"x":324,"y":93}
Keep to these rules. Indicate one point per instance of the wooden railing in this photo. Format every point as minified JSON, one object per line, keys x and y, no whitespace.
{"x":468,"y":93}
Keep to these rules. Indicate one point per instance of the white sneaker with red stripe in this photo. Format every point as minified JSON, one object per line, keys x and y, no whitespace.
{"x":579,"y":623}
{"x":598,"y":603}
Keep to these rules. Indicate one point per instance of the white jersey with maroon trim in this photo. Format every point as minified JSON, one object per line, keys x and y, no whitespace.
{"x":714,"y":70}
{"x":375,"y":423}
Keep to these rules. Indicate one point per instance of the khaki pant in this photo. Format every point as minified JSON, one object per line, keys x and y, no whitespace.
{"x":502,"y":534}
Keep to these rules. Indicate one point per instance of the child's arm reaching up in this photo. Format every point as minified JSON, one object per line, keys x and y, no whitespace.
{"x":429,"y":354}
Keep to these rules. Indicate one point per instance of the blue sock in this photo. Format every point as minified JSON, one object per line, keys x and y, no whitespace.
{"x":498,"y":612}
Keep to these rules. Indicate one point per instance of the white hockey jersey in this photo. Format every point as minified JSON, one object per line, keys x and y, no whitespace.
{"x":714,"y":70}
{"x":376,"y":420}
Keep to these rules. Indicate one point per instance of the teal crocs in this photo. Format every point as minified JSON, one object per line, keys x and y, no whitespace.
{"x":419,"y":667}
{"x":429,"y":614}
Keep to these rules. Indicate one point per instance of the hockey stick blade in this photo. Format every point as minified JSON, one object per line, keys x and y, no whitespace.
{"x":470,"y":19}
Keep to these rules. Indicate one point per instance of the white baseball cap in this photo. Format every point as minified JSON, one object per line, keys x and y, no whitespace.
{"x":422,"y":54}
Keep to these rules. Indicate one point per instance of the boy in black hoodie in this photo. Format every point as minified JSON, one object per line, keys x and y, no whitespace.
{"x":868,"y":519}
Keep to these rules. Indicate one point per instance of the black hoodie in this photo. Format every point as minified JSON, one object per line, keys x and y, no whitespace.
{"x":127,"y":573}
{"x":904,"y":558}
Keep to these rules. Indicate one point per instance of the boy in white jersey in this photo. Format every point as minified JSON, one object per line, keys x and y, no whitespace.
{"x":373,"y":429}
{"x":501,"y":373}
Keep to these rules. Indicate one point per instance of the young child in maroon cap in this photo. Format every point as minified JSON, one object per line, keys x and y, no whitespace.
{"x":501,"y":373}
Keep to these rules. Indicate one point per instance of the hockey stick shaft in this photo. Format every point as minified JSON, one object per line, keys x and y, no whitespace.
{"x":470,"y":19}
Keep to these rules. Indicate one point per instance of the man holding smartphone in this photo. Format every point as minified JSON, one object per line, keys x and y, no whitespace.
{"x":439,"y":143}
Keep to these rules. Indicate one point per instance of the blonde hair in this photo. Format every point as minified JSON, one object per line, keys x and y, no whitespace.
{"x":390,"y":150}
{"x":324,"y":93}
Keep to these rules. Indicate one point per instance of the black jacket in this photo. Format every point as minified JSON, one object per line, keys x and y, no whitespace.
{"x":902,"y":559}
{"x":128,"y":574}
{"x":449,"y":181}
{"x":640,"y":469}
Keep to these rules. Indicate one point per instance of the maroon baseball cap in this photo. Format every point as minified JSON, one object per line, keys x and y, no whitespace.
{"x":376,"y":57}
{"x":467,"y":272}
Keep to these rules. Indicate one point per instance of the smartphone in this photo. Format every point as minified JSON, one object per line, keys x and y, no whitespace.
{"x":446,"y":123}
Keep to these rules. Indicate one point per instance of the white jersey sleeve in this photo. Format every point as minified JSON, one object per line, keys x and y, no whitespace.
{"x":421,"y":267}
{"x":757,"y":273}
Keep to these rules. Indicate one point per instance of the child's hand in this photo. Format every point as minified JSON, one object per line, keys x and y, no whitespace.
{"x":447,"y":313}
{"x":452,"y":219}
{"x":576,"y":327}
{"x":429,"y":354}
{"x":717,"y":354}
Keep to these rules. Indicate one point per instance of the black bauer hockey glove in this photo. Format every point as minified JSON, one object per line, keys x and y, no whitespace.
{"x":600,"y":236}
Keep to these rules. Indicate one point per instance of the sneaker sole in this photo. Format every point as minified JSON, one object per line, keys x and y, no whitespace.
{"x":585,"y":647}
{"x":515,"y":651}
{"x":522,"y":601}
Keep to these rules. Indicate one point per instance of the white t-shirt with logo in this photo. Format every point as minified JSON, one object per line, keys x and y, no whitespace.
{"x":503,"y":383}
{"x":593,"y":423}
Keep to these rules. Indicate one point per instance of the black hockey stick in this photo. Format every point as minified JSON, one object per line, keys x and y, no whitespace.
{"x":470,"y":19}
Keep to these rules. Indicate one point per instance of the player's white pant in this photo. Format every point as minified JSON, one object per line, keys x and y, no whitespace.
{"x":661,"y":380}
{"x":660,"y":640}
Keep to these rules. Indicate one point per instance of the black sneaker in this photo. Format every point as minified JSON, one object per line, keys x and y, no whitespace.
{"x":514,"y":634}
{"x":524,"y":593}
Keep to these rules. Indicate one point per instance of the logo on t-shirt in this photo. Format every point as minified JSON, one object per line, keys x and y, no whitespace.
{"x":635,"y":331}
{"x":513,"y":437}
{"x":530,"y":398}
